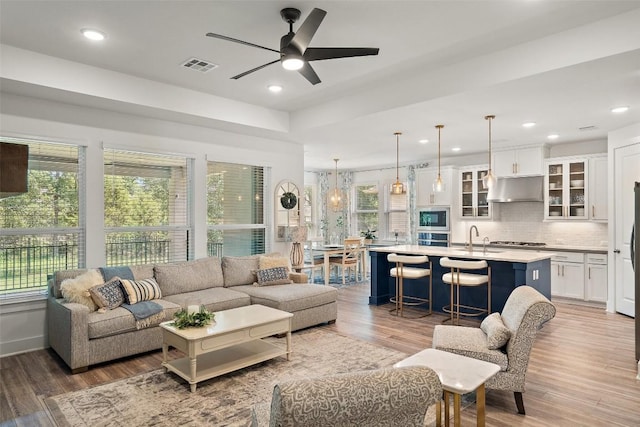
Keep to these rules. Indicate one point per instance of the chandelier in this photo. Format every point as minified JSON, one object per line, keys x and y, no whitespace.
{"x":398,"y":187}
{"x":335,"y":198}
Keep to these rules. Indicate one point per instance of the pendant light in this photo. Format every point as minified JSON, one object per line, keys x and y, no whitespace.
{"x":335,"y":199}
{"x":398,"y":187}
{"x":489,"y":179}
{"x":438,"y":185}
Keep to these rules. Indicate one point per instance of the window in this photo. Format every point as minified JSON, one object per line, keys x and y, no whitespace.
{"x":397,"y":216}
{"x":235,"y":209}
{"x":366,"y":207}
{"x":147,"y":209}
{"x":42,"y":231}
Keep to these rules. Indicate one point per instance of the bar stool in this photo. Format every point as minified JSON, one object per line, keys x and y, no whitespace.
{"x":455,"y":278}
{"x":400,"y":272}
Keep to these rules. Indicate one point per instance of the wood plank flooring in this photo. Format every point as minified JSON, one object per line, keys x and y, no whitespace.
{"x":582,"y":370}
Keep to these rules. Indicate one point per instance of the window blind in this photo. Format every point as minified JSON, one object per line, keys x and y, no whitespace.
{"x":147,"y":207}
{"x":42,"y":231}
{"x":397,"y":214}
{"x":235,"y":209}
{"x":366,"y":207}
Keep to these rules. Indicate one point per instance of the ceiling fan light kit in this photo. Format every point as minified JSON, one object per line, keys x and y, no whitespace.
{"x":295,"y":53}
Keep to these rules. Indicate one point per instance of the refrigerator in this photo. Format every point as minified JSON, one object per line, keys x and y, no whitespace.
{"x":635,"y":263}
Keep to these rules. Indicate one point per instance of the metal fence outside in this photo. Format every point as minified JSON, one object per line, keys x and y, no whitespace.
{"x":27,"y":267}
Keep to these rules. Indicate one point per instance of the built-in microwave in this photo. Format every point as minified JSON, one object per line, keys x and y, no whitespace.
{"x":434,"y":219}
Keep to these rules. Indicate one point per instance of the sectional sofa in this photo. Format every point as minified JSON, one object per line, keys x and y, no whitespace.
{"x":82,"y":337}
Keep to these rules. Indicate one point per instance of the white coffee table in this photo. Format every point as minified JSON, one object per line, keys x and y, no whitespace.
{"x":459,"y":375}
{"x":232,"y":342}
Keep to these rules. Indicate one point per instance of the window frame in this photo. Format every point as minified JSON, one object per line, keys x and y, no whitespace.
{"x":188,"y":214}
{"x":77,"y":259}
{"x":256,"y":246}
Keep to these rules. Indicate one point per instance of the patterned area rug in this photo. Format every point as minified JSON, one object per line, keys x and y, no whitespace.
{"x":158,"y":398}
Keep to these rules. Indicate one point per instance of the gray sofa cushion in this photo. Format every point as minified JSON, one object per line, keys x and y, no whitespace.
{"x":120,"y":320}
{"x":214,"y":299}
{"x":189,"y":276}
{"x":470,"y":342}
{"x":291,"y":298}
{"x":143,"y":271}
{"x":240,"y":270}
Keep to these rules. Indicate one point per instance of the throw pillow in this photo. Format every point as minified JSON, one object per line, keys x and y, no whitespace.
{"x":268,"y":261}
{"x":77,"y":289}
{"x":273,"y":276}
{"x":140,"y":290}
{"x":497,"y":333}
{"x":108,"y":295}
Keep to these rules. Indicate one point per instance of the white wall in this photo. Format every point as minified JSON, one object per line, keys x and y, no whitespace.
{"x":22,"y":323}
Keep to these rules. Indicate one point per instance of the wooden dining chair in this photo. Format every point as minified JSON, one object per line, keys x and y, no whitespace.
{"x":350,"y":257}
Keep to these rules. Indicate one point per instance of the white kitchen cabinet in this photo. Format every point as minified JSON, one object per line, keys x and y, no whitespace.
{"x":527,"y":161}
{"x":596,"y":278}
{"x":567,"y":275}
{"x":473,"y":194}
{"x":425,"y":192}
{"x":598,"y":191}
{"x":566,"y":189}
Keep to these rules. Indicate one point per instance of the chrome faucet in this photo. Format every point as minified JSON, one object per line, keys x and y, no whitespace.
{"x":471,"y":236}
{"x":485,"y":240}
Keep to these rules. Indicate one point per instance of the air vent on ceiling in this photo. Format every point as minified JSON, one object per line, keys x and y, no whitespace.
{"x":199,"y":65}
{"x":587,"y":128}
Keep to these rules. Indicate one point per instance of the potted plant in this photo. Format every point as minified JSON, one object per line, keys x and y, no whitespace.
{"x":369,"y":235}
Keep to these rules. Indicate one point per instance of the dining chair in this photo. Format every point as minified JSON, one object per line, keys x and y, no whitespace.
{"x":350,"y":257}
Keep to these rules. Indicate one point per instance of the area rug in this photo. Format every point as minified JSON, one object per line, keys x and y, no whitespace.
{"x":163,"y":399}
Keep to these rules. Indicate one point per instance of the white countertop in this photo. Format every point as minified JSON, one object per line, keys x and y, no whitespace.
{"x":552,"y":247}
{"x":491,"y":254}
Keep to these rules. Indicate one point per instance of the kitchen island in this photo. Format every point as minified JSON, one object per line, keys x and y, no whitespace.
{"x":508,"y":270}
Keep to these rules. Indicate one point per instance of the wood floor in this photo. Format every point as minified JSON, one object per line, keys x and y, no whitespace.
{"x":582,"y":370}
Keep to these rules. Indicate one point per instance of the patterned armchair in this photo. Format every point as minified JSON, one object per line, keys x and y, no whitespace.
{"x":525,"y":311}
{"x":385,"y":397}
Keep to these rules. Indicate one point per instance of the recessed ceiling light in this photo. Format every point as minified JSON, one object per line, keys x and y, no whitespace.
{"x":528,"y":124}
{"x":274,"y":88}
{"x":621,"y":109}
{"x":553,"y":136}
{"x":455,"y":149}
{"x":94,"y":35}
{"x":423,"y":141}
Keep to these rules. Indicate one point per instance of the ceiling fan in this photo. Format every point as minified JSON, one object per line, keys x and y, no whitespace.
{"x":295,"y":53}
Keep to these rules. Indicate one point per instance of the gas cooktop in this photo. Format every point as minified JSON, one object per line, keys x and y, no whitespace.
{"x":509,"y":243}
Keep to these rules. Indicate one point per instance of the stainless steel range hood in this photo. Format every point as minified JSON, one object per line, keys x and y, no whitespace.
{"x":525,"y":189}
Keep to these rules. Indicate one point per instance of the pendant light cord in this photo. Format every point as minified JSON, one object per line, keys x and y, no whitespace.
{"x":397,"y":134}
{"x":439,"y":129}
{"x":489,"y":118}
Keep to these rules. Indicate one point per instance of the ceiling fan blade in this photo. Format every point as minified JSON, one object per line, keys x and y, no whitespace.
{"x":231,"y":39}
{"x":320,"y":53}
{"x":254,"y":69}
{"x":309,"y":73}
{"x":308,"y":28}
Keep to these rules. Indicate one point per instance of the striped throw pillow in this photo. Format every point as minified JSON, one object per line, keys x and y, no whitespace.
{"x":140,"y":290}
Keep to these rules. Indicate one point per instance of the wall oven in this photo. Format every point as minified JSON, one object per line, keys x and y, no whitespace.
{"x":433,"y":219}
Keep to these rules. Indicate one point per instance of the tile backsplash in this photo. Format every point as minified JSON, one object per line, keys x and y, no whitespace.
{"x":523,"y":221}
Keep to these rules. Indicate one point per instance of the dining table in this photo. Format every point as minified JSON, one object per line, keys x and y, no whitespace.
{"x":337,"y":250}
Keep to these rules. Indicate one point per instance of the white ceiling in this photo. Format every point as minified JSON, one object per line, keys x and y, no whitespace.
{"x":562,"y":64}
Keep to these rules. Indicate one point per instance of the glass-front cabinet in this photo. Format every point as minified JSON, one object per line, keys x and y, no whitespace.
{"x":566,"y":192}
{"x":473,"y":203}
